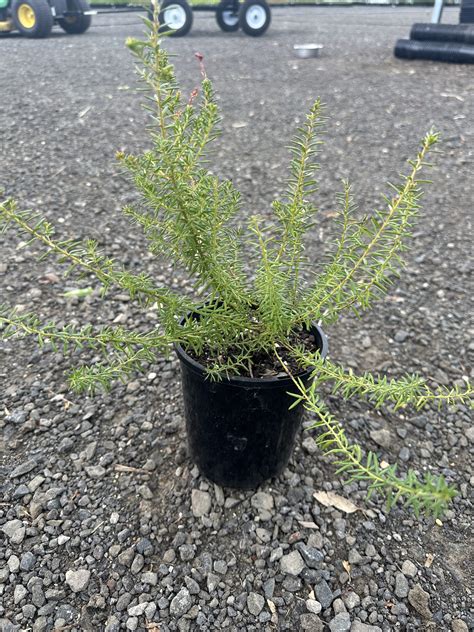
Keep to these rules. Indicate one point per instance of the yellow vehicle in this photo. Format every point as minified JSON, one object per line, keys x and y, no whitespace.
{"x":35,"y":18}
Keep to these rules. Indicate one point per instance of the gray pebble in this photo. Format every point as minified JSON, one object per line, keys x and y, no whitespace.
{"x":358,"y":626}
{"x":95,"y":471}
{"x":181,"y":603}
{"x":78,"y":580}
{"x":409,"y":569}
{"x":200,"y":503}
{"x":27,"y":561}
{"x":313,"y":606}
{"x":15,"y":531}
{"x":311,"y":623}
{"x":324,"y":594}
{"x":255,"y":603}
{"x":420,"y":600}
{"x":401,"y":586}
{"x":401,"y":335}
{"x":340,"y":623}
{"x":19,"y":593}
{"x":292,"y":564}
{"x":311,"y":556}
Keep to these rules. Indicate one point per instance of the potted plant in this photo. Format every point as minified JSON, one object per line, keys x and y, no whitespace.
{"x":252,"y":351}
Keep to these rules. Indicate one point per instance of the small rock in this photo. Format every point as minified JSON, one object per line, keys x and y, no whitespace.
{"x":309,"y":444}
{"x":37,"y":595}
{"x":112,"y":624}
{"x":169,"y":556}
{"x":458,"y":625}
{"x":19,"y":593}
{"x":409,"y":569}
{"x":420,"y":599}
{"x":404,"y":454}
{"x":23,"y":468}
{"x":150,"y":611}
{"x":126,"y":557}
{"x":66,"y":612}
{"x":220,"y":566}
{"x":123,"y":601}
{"x":310,"y":622}
{"x":17,"y":417}
{"x":35,"y":482}
{"x":95,"y":471}
{"x":338,"y":606}
{"x":313,"y":606}
{"x":150,"y":578}
{"x":255,"y":603}
{"x":187,"y":552}
{"x":27,"y":561}
{"x":15,"y":531}
{"x":324,"y":594}
{"x":138,"y":610}
{"x":264,"y":504}
{"x":292,"y":564}
{"x":311,"y":556}
{"x":340,"y":623}
{"x":357,"y":626}
{"x":181,"y":603}
{"x":13,"y":564}
{"x":77,"y":580}
{"x":351,"y":600}
{"x":212,"y":582}
{"x":145,"y":492}
{"x":401,"y":335}
{"x":370,"y":550}
{"x":192,"y":585}
{"x":382,"y":437}
{"x":401,"y":586}
{"x":269,"y":587}
{"x":355,"y":557}
{"x":200,"y":503}
{"x":137,"y":564}
{"x":144,"y":547}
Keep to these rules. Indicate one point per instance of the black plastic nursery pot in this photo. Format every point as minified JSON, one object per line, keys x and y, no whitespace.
{"x":240,"y":430}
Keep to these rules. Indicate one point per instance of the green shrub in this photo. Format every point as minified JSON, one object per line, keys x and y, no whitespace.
{"x":190,"y":216}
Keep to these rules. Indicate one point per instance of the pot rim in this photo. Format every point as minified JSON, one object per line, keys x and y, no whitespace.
{"x":264,"y":382}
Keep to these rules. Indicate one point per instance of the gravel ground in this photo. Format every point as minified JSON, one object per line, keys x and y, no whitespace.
{"x":106,"y":524}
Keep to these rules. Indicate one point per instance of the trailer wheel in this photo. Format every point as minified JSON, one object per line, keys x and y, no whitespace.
{"x":176,"y":17}
{"x":33,"y":18}
{"x":226,"y":17}
{"x":255,"y":17}
{"x":76,"y":24}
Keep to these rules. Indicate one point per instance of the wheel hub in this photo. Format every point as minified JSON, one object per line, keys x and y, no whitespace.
{"x":229,"y":17}
{"x":26,"y":16}
{"x":256,"y":16}
{"x":174,"y":17}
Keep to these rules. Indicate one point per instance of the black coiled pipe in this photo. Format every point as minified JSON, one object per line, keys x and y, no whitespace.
{"x":460,"y":33}
{"x":436,"y":51}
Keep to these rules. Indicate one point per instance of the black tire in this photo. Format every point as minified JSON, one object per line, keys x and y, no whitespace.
{"x":179,"y":21}
{"x":33,"y":18}
{"x":226,"y":17}
{"x":77,"y":24}
{"x":255,"y":17}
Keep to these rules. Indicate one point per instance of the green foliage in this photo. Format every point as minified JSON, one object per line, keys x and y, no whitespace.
{"x":190,"y":217}
{"x":429,"y":494}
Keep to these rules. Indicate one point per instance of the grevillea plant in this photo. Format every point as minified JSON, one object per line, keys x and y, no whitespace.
{"x":191,"y":217}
